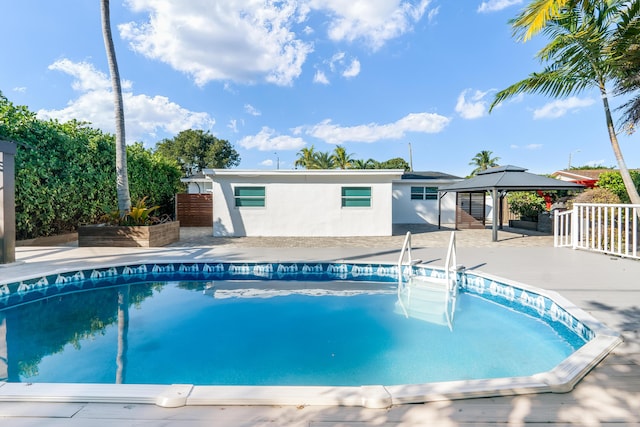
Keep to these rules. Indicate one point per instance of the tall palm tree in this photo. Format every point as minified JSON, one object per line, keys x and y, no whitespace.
{"x":627,"y":52}
{"x":483,"y":161}
{"x":535,"y":17}
{"x":341,"y":159}
{"x":580,"y":56}
{"x":364,"y":164}
{"x":122,"y":180}
{"x":306,"y":158}
{"x":324,"y":160}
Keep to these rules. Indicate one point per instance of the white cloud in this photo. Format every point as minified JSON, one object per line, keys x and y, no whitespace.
{"x":372,"y":132}
{"x":339,"y":63}
{"x":374,"y":21}
{"x":353,"y":69}
{"x":145,"y":115}
{"x":496,"y":5}
{"x":559,"y":108}
{"x":267,"y":140}
{"x":249,"y":41}
{"x":267,"y":162}
{"x":233,"y":125}
{"x":431,"y":16}
{"x":321,"y":78}
{"x":474,"y":107}
{"x":250,"y":109}
{"x":20,"y":89}
{"x":244,"y":41}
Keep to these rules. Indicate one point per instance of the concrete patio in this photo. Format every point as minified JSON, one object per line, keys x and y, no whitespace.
{"x":606,"y":287}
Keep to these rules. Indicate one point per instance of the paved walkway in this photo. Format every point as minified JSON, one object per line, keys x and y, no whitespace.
{"x":606,"y":287}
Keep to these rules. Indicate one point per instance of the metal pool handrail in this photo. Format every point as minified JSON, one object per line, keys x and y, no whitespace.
{"x":406,"y":249}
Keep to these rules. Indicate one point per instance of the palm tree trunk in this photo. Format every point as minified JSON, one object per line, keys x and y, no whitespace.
{"x":624,"y":172}
{"x":122,"y":180}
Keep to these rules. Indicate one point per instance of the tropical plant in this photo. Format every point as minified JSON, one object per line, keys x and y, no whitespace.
{"x":584,"y":40}
{"x":122,"y":179}
{"x":323,"y":160}
{"x":483,"y":161}
{"x":627,"y":53}
{"x":364,"y":164}
{"x":341,"y":159}
{"x":306,"y":158}
{"x":139,"y":214}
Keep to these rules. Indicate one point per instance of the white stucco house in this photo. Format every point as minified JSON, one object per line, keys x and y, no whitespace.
{"x":330,"y":202}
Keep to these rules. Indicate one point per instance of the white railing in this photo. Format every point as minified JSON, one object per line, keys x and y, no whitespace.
{"x":605,"y":228}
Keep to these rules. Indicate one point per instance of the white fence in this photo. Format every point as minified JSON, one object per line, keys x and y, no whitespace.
{"x":611,"y":229}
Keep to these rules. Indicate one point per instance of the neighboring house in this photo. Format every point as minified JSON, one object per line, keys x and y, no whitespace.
{"x":330,"y":202}
{"x":586,"y":177}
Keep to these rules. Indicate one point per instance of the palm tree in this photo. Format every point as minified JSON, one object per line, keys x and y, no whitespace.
{"x":341,"y":158}
{"x":483,"y":161}
{"x":581,"y":55}
{"x":364,"y":164}
{"x":122,"y":180}
{"x":324,"y":160}
{"x":306,"y":158}
{"x":539,"y":12}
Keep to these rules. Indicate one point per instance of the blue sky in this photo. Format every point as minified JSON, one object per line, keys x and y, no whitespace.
{"x":272,"y":77}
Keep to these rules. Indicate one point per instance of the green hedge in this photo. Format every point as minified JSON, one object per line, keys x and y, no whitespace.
{"x":65,"y":173}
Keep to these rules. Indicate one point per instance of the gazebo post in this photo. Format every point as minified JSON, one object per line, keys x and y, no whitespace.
{"x":7,"y":203}
{"x":494,"y":214}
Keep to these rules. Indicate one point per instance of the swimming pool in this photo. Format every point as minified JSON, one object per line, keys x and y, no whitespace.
{"x":548,"y":308}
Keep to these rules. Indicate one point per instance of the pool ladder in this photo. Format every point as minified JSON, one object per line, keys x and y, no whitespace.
{"x":431,"y":299}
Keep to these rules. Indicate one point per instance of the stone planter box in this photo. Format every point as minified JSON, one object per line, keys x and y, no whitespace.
{"x":525,"y":225}
{"x":141,"y":236}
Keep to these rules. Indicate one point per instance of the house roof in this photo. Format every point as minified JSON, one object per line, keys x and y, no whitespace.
{"x":510,"y":178}
{"x":581,"y":174}
{"x":428,"y":175}
{"x":292,"y":173}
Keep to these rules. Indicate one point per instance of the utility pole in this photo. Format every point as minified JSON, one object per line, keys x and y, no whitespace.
{"x":410,"y":159}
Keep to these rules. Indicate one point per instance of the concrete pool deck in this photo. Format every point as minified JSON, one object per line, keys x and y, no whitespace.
{"x":604,"y":286}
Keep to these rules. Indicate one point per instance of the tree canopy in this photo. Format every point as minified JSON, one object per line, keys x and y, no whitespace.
{"x":195,"y":150}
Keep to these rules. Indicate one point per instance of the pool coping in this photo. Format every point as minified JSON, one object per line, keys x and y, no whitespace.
{"x":560,"y":379}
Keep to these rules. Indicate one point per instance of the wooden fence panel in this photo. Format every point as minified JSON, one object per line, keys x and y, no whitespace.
{"x":194,"y":210}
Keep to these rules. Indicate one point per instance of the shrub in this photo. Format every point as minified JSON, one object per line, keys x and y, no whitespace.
{"x":595,"y":195}
{"x":526,"y":204}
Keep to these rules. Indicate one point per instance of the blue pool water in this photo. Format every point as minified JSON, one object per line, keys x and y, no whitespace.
{"x":239,"y":332}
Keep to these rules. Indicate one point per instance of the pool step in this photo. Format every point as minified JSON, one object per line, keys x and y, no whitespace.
{"x":426,"y":298}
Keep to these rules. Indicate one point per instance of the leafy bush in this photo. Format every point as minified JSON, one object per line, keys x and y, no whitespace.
{"x":613,"y":182}
{"x":595,"y":195}
{"x":526,"y":204}
{"x":65,"y":173}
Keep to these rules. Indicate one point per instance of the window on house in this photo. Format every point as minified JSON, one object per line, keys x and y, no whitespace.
{"x":356,"y":197}
{"x":424,"y":193}
{"x":249,"y":196}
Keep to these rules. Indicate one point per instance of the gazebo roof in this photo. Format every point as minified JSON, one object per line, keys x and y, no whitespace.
{"x":509,"y":178}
